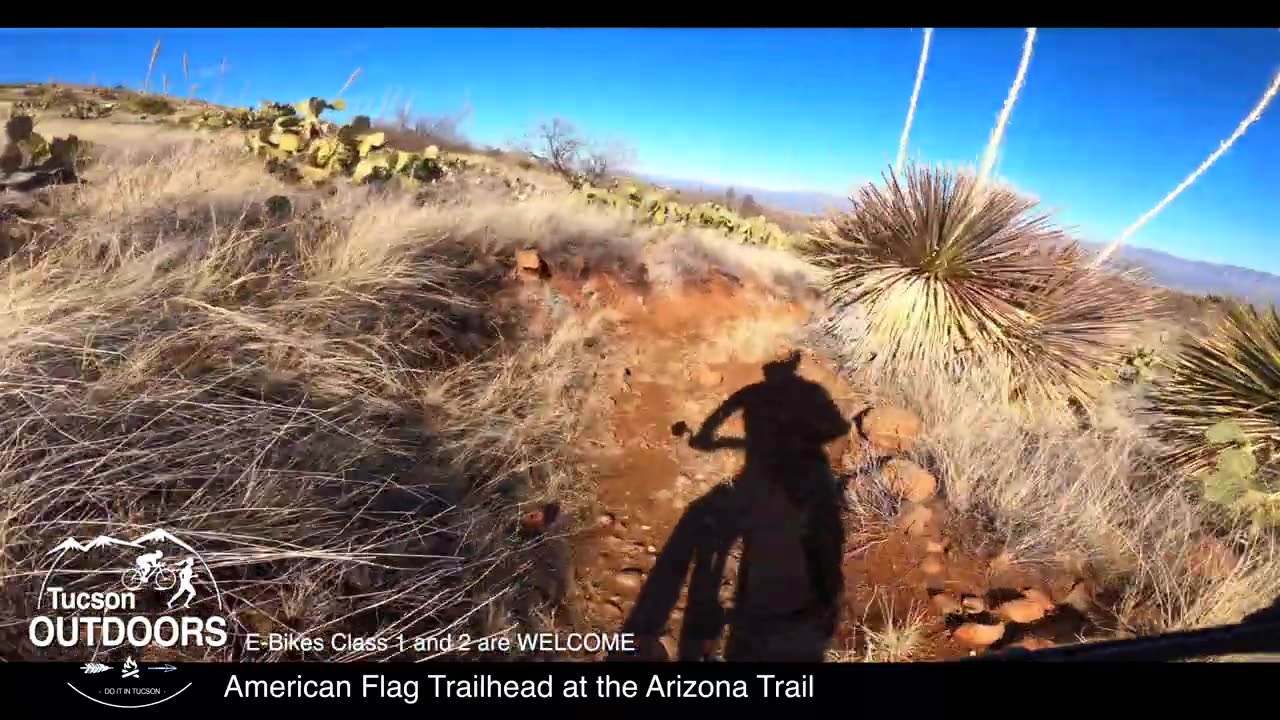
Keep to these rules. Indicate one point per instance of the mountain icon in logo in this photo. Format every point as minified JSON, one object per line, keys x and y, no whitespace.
{"x":100,"y":541}
{"x":147,"y":566}
{"x":157,"y":535}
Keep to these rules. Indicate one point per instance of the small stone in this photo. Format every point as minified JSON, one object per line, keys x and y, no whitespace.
{"x":932,"y":565}
{"x":529,"y":260}
{"x":978,"y":635}
{"x":651,"y":549}
{"x":973,"y":605}
{"x":642,"y":561}
{"x":628,"y":580}
{"x":1211,"y":558}
{"x":910,"y":481}
{"x":946,"y":604}
{"x":608,"y":611}
{"x":537,"y":520}
{"x":1022,"y":610}
{"x":891,"y":428}
{"x":1080,"y":597}
{"x":605,"y":520}
{"x":1037,"y":596}
{"x":916,"y":520}
{"x":1032,"y":643}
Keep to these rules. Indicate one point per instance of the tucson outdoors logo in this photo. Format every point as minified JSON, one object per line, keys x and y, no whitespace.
{"x":144,"y":602}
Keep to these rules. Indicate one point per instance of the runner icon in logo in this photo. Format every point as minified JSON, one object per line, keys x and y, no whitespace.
{"x":184,"y":576}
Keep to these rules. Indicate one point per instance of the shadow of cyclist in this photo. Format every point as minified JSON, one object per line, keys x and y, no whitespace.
{"x":784,"y":506}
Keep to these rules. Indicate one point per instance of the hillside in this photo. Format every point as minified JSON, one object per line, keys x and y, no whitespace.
{"x":1169,"y":271}
{"x":404,"y":389}
{"x":1201,"y":278}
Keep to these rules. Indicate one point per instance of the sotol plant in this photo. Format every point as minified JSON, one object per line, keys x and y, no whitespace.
{"x":943,"y":270}
{"x":1231,"y":374}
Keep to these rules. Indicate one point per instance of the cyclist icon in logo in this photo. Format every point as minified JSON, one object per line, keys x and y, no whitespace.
{"x":149,"y":570}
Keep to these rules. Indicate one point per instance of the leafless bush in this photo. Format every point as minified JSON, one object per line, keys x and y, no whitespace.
{"x":560,"y":145}
{"x":444,"y":130}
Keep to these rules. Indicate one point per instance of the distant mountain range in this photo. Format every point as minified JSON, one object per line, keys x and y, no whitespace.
{"x":1199,"y":277}
{"x":1166,"y":270}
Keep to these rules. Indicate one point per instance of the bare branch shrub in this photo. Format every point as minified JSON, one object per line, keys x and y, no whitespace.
{"x":561,"y":146}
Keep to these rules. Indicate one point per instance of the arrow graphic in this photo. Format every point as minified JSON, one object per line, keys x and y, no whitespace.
{"x":162,"y":668}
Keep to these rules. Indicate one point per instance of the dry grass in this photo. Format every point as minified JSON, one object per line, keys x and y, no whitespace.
{"x":1052,"y":492}
{"x":892,"y":638}
{"x":560,"y":228}
{"x":347,"y":416}
{"x":340,"y":407}
{"x":332,"y":406}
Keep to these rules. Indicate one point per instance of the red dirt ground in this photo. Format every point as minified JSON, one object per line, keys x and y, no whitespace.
{"x":673,"y":360}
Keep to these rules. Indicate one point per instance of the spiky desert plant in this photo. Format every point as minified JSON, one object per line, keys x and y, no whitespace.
{"x":1230,"y":374}
{"x":940,"y":271}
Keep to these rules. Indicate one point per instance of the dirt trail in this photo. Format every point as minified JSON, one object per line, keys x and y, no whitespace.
{"x":665,"y":556}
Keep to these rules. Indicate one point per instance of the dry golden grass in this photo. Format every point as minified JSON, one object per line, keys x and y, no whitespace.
{"x":331,"y":405}
{"x":340,"y":409}
{"x":1051,"y":491}
{"x":897,"y":636}
{"x":338,"y":406}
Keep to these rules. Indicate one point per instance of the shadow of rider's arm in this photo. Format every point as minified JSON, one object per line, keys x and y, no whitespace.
{"x":705,"y":438}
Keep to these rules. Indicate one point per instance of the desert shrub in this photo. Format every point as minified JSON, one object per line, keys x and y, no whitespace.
{"x":563,"y":148}
{"x":942,"y":271}
{"x":1231,"y":373}
{"x":149,"y":105}
{"x":412,"y":133}
{"x":1091,"y":501}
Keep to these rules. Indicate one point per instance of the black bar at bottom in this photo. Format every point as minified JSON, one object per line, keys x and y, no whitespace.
{"x":932,"y":687}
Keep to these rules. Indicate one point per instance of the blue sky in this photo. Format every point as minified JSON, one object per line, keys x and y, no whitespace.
{"x":1108,"y":123}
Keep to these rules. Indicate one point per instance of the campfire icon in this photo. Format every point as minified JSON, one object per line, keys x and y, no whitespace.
{"x":130,"y":669}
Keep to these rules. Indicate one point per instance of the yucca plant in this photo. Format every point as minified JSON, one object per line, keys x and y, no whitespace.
{"x":1230,"y":374}
{"x":940,"y":270}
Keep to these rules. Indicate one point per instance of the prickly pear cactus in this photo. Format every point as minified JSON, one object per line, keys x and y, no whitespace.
{"x":1138,"y":366}
{"x":89,"y":110}
{"x":1233,"y":484}
{"x":24,"y":147}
